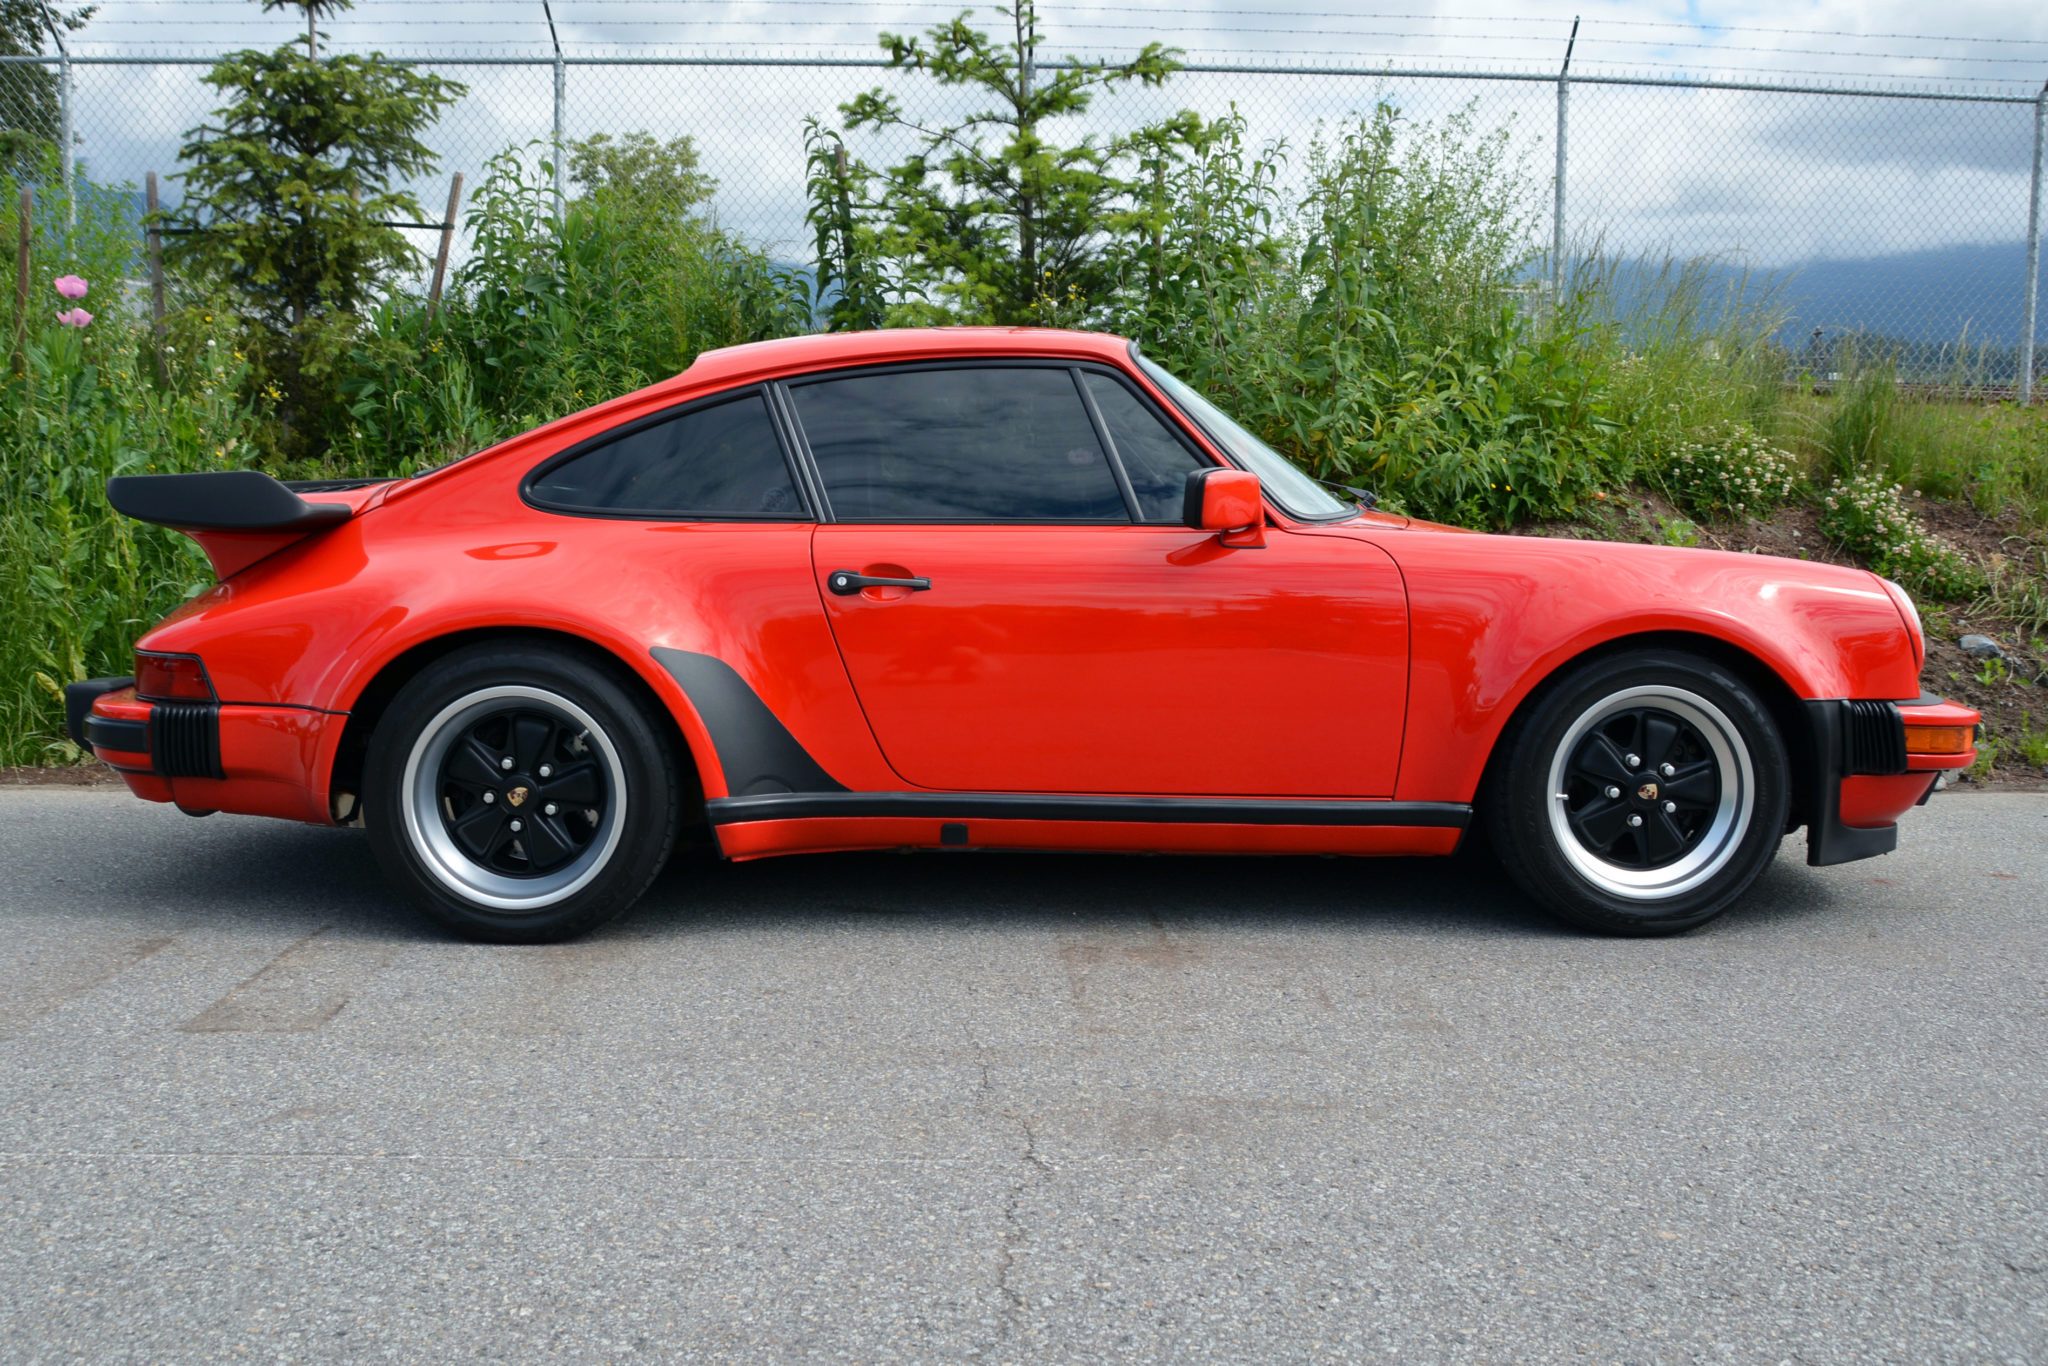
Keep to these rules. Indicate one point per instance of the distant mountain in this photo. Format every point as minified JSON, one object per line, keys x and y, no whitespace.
{"x":1933,"y":297}
{"x":1940,"y":295}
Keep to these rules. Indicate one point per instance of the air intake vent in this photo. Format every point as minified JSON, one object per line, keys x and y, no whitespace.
{"x":1873,"y":738}
{"x":184,"y":739}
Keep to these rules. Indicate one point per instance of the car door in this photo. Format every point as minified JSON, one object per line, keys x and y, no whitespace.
{"x":1019,"y":609}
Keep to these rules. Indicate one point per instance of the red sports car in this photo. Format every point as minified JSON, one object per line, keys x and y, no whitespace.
{"x":991,"y":589}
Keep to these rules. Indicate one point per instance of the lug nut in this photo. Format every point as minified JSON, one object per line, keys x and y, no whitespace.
{"x":1632,"y":820}
{"x":490,"y":797}
{"x":505,"y":762}
{"x":1633,"y":761}
{"x":515,"y":827}
{"x":1613,"y":792}
{"x":1670,"y":807}
{"x":550,"y":808}
{"x":1666,"y":769}
{"x":546,"y":771}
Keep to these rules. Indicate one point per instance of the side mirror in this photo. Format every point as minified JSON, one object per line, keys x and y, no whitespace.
{"x":1226,"y":501}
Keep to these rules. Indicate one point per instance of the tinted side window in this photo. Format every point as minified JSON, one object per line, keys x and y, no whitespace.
{"x":720,"y":461}
{"x":1156,"y":460}
{"x":982,"y":443}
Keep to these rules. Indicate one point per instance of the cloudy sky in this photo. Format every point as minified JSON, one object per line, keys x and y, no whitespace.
{"x":1764,"y":179}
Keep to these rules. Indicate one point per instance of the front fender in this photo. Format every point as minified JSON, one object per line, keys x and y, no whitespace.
{"x":1495,"y":616}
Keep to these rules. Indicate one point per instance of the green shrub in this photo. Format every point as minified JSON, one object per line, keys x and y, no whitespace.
{"x":1727,"y":471}
{"x":1870,"y":518}
{"x":550,"y":314}
{"x":77,"y":583}
{"x":1373,"y":331}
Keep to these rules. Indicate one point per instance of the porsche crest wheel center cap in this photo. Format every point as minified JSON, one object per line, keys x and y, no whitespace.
{"x":518,"y":795}
{"x":1648,"y":792}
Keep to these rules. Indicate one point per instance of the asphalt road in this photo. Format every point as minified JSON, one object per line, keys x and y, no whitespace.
{"x":997,"y":1108}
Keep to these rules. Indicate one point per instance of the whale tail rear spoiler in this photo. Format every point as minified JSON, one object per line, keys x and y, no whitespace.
{"x":237,"y":516}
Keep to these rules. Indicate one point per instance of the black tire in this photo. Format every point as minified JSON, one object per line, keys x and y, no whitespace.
{"x":1601,"y":855}
{"x":496,"y":859}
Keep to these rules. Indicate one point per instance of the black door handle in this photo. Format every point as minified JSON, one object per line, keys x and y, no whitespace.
{"x":845,"y":583}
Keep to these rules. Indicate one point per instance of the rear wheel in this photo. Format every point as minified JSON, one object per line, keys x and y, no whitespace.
{"x":520,"y":794}
{"x":1642,"y":795}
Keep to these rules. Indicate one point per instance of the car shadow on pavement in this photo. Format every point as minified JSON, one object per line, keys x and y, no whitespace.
{"x":252,"y":871}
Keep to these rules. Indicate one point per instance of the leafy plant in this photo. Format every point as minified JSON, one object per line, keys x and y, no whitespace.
{"x":288,"y":189}
{"x":991,"y":219}
{"x":1870,"y":517}
{"x":29,"y":117}
{"x":554,"y":312}
{"x":1374,"y":329}
{"x":2032,"y":744}
{"x":1728,"y":471}
{"x":77,"y":583}
{"x":662,"y":177}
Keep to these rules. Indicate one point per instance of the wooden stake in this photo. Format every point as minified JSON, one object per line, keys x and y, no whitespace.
{"x":447,"y":238}
{"x":156,"y":277}
{"x":21,"y":280}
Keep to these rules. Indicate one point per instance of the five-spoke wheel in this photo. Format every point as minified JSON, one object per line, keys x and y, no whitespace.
{"x":516,"y":794}
{"x":1641,"y":793}
{"x":523,"y":794}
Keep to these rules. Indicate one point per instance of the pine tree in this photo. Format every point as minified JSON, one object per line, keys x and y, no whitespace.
{"x":289,"y":190}
{"x":990,"y":220}
{"x":29,"y":119}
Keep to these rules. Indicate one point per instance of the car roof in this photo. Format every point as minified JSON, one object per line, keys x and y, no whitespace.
{"x":828,"y":350}
{"x":729,"y":366}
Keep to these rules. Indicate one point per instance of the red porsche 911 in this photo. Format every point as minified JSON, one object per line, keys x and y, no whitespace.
{"x":991,"y":589}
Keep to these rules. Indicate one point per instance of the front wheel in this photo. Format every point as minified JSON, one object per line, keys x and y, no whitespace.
{"x":1642,"y":795}
{"x":521,"y":795}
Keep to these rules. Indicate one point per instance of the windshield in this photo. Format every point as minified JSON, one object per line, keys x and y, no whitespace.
{"x":1290,"y":488}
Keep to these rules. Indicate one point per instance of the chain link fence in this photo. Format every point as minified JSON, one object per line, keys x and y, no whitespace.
{"x":1902,"y":216}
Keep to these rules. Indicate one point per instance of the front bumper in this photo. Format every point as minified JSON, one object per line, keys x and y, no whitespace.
{"x":260,"y":760}
{"x":1866,"y":771}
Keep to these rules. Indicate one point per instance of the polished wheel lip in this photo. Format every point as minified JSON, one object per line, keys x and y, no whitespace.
{"x":1727,"y":825}
{"x":427,"y":832}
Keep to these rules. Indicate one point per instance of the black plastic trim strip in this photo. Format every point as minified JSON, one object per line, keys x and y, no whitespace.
{"x":1828,"y":840}
{"x":108,"y":732}
{"x":78,"y":700}
{"x":333,"y":485}
{"x":1874,"y":738}
{"x":758,"y":754}
{"x":184,"y":739}
{"x":952,"y":806}
{"x":1108,"y":444}
{"x":220,"y":500}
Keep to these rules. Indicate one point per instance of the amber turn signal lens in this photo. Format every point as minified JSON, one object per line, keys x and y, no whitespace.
{"x":1937,"y":739}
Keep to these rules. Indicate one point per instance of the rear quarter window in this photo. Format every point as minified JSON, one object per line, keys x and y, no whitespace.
{"x":722,"y":460}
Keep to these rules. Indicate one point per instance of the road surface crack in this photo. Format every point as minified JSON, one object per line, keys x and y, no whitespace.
{"x":1035,"y":1171}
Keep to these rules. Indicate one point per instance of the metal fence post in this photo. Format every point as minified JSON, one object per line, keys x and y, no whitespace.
{"x":2030,"y":312}
{"x":66,"y":111}
{"x":1564,"y":86}
{"x":561,"y":84}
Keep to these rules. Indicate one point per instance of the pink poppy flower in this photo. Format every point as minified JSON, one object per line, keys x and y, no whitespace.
{"x":77,"y":317}
{"x":70,"y":286}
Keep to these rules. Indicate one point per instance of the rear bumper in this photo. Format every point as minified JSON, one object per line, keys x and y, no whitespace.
{"x":1867,"y":771}
{"x":205,"y":756}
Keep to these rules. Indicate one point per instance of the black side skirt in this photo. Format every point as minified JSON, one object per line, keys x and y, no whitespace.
{"x":1125,"y":810}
